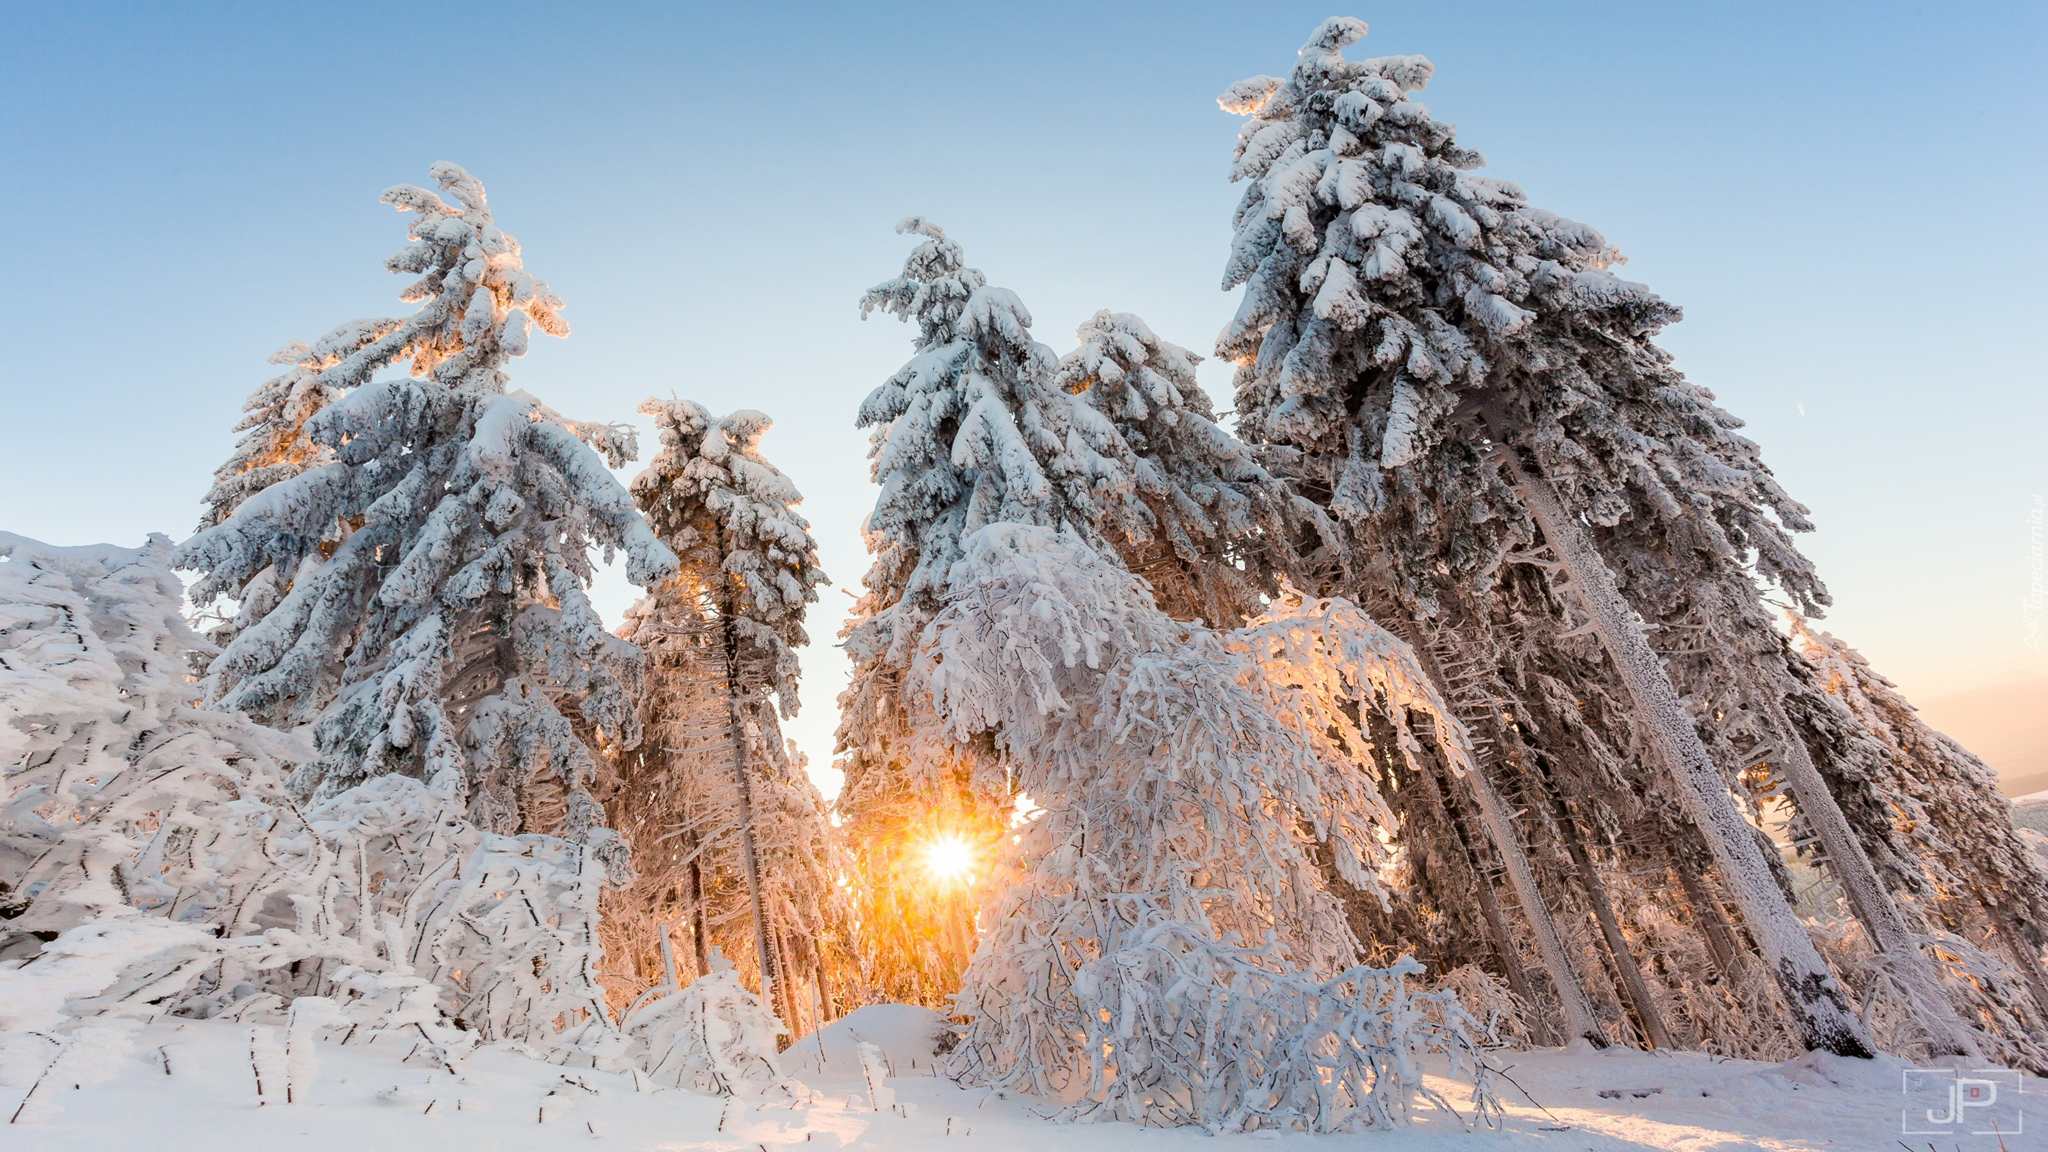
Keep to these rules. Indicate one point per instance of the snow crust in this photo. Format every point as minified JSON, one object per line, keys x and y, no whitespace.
{"x":188,"y":1086}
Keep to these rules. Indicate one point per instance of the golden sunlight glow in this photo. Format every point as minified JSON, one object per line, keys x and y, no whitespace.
{"x":948,"y":859}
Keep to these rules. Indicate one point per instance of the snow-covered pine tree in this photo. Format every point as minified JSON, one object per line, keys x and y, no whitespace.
{"x":1463,"y":374}
{"x":730,"y":838}
{"x":440,"y":619}
{"x":971,"y":431}
{"x":1201,"y":519}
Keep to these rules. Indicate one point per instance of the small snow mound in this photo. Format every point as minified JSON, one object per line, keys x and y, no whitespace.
{"x":907,"y":1035}
{"x":1821,"y":1069}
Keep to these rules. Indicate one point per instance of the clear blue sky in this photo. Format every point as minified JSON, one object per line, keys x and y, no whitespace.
{"x":1846,"y":199}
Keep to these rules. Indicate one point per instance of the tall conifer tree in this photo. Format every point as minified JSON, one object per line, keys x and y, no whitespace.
{"x":971,"y":431}
{"x":436,"y":621}
{"x":730,"y":837}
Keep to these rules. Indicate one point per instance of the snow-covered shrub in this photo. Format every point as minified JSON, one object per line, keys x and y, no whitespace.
{"x":1502,"y":1016}
{"x":503,"y":927}
{"x":711,"y":1036}
{"x":1187,"y":1029}
{"x":152,"y":861}
{"x":1168,"y":951}
{"x":1988,"y":987}
{"x":120,"y":790}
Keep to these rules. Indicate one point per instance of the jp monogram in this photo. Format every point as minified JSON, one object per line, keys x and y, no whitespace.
{"x":1952,"y":1102}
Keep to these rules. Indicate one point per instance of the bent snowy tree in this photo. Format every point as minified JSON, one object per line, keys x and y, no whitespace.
{"x":1170,"y":950}
{"x":1464,"y":376}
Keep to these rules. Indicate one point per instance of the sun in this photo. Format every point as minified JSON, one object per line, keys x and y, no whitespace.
{"x":948,"y":859}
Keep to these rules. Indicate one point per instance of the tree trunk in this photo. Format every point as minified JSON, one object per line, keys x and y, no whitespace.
{"x":1579,"y":1017}
{"x":2024,"y":955}
{"x":792,"y":1006}
{"x":700,"y":926}
{"x":1706,"y":913}
{"x":1489,"y":907}
{"x":728,"y":606}
{"x":821,"y":992}
{"x":1871,"y":904}
{"x":1821,"y":1013}
{"x":668,"y":957}
{"x":1632,"y":982}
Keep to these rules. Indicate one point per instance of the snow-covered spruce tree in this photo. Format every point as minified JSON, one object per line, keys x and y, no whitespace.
{"x":972,"y":431}
{"x":1462,"y":373}
{"x":1200,"y":519}
{"x":729,"y":836}
{"x":1169,"y":952}
{"x":440,"y":619}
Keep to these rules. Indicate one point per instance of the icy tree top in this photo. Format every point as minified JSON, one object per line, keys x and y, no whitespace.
{"x":1187,"y":486}
{"x":1401,"y":311}
{"x":971,"y":431}
{"x":479,"y":299}
{"x":730,"y":515}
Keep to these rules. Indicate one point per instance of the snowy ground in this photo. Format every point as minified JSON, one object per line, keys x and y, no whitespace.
{"x":367,"y":1098}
